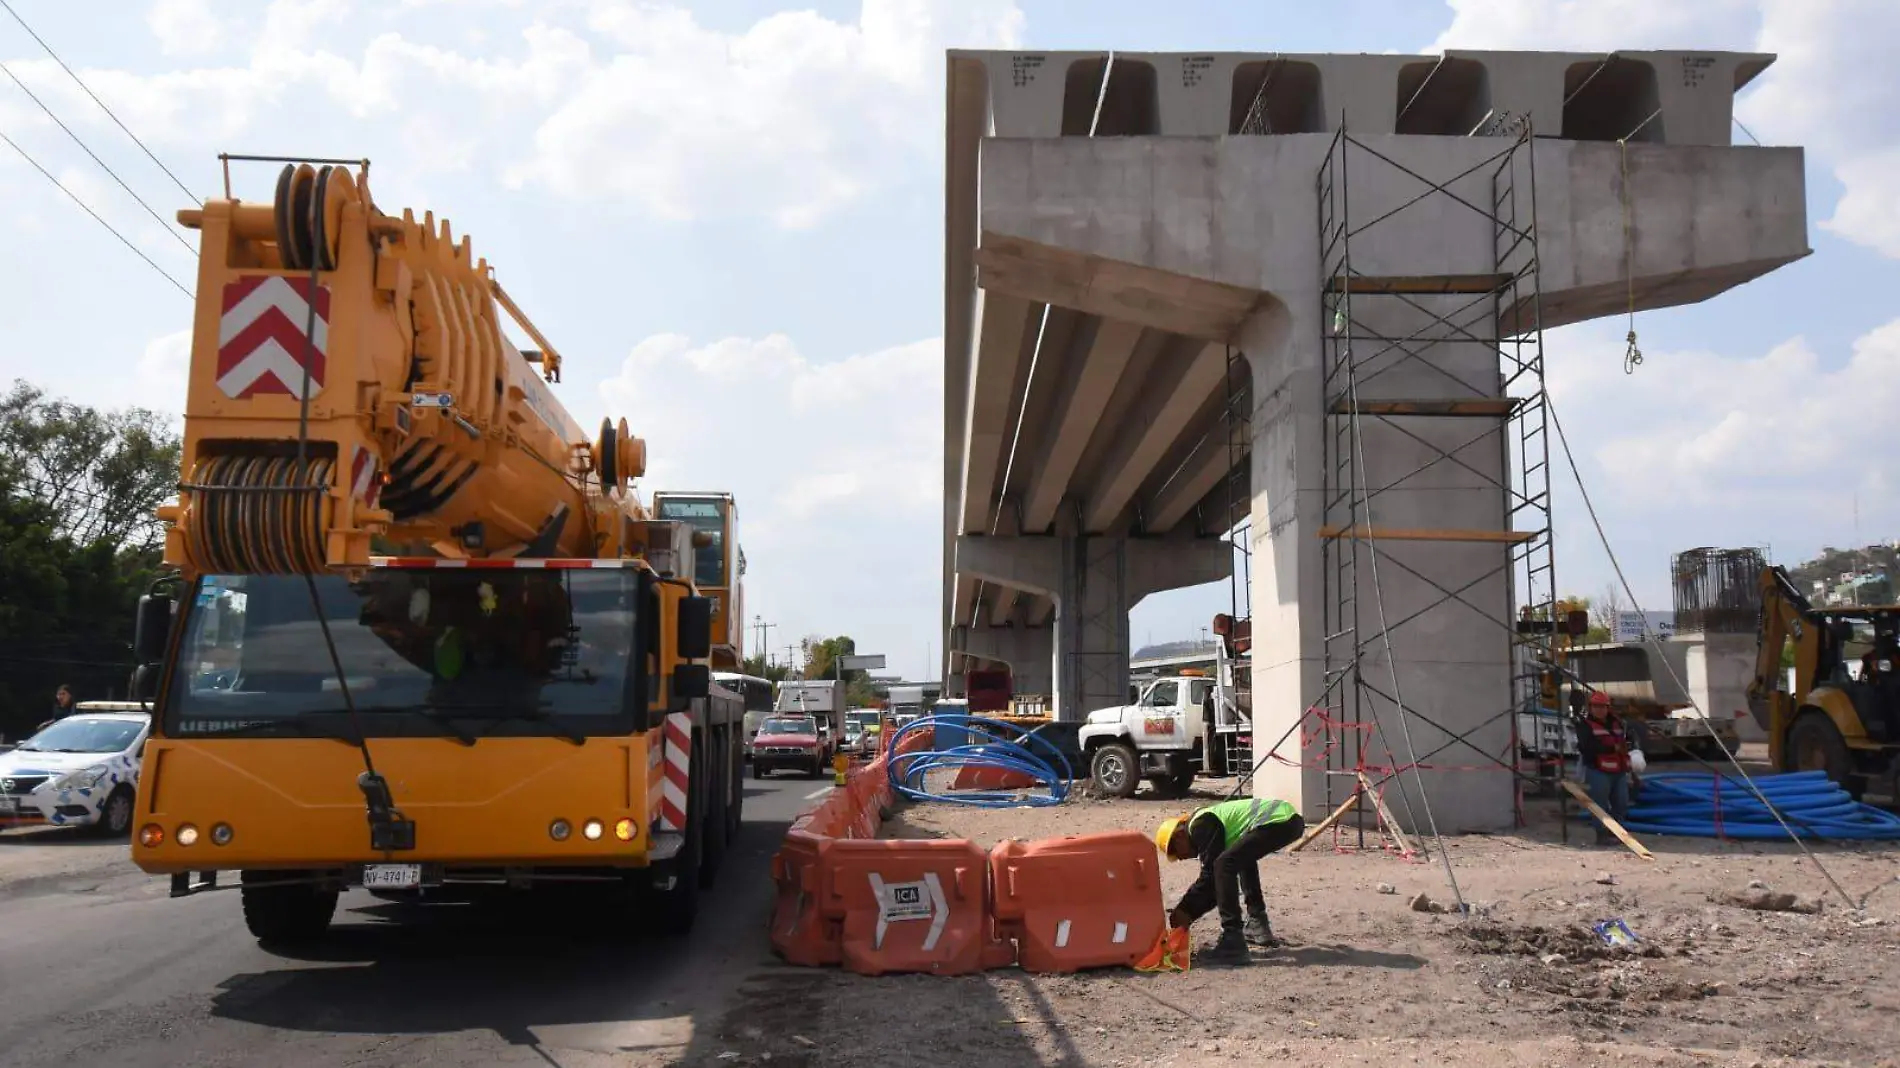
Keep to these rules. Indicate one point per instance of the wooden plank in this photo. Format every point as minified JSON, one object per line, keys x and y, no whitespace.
{"x":1616,"y":828}
{"x":1364,"y":532}
{"x":1385,"y":814}
{"x":1417,"y":283}
{"x":1468,"y":406}
{"x":1325,"y":824}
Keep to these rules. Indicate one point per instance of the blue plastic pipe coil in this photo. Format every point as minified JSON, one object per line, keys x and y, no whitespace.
{"x":992,"y":744}
{"x":1698,"y":805}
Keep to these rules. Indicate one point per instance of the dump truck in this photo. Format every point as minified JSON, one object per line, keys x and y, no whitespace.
{"x":464,"y":656}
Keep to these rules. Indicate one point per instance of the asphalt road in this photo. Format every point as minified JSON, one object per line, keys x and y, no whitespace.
{"x":99,"y":967}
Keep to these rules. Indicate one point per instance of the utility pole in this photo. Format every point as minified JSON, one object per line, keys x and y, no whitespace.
{"x":765,"y":634}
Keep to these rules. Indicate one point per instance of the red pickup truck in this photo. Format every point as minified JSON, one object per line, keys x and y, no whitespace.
{"x":789,"y":742}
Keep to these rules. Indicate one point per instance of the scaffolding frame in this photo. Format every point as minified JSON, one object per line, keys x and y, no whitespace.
{"x":1501,"y":312}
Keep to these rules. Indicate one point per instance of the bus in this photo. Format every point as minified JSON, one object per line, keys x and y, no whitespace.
{"x":719,"y":566}
{"x":757,"y":696}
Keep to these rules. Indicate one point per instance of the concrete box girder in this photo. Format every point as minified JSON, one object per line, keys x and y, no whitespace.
{"x":1590,"y":95}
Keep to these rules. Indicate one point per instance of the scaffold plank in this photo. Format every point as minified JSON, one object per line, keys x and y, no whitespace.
{"x":1470,"y":406}
{"x":1417,"y":283}
{"x":1364,"y":532}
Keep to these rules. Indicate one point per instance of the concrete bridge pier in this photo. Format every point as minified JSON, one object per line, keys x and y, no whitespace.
{"x":1093,"y":581}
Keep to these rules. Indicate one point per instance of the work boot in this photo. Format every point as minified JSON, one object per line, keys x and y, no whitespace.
{"x":1259,"y":932}
{"x":1229,"y":948}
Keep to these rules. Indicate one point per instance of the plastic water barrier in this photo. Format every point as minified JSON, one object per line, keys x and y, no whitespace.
{"x":945,"y":907}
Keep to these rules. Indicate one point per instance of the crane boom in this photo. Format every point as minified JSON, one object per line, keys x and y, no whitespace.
{"x":350,"y":380}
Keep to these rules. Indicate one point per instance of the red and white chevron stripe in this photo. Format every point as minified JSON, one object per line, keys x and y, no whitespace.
{"x":364,"y":485}
{"x":677,"y":778}
{"x":656,"y":746}
{"x":261,"y":339}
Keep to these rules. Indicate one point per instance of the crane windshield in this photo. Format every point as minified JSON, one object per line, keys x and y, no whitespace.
{"x":514,"y":651}
{"x":708,"y":516}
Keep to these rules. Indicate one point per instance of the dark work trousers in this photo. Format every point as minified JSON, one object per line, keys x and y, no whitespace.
{"x":1237,"y":871}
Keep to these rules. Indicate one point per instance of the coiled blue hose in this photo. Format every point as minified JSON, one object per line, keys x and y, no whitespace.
{"x":1002,"y":746}
{"x":1696,"y":805}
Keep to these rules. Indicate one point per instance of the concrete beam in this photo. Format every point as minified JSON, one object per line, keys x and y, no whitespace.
{"x":1158,"y":422}
{"x":1112,"y":289}
{"x":1157,"y":564}
{"x":1003,"y":602}
{"x":1039,"y":611}
{"x":1075,"y":417}
{"x":1006,"y":330}
{"x":963,"y":600}
{"x":1204,"y":470}
{"x":1703,"y":219}
{"x":1030,"y":564}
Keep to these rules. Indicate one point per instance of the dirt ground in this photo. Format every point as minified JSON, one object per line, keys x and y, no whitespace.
{"x":1367,"y":979}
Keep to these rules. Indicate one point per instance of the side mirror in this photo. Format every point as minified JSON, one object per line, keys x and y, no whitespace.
{"x":695,"y":628}
{"x":145,"y":681}
{"x":692,"y":681}
{"x":153,"y":627}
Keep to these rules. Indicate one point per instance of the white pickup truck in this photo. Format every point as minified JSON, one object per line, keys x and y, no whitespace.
{"x":1164,"y":738}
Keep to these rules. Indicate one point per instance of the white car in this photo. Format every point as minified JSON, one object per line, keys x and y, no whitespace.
{"x":80,"y":771}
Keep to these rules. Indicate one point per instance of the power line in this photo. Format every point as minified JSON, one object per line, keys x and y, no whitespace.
{"x":149,"y":210}
{"x":11,"y":143}
{"x":102,"y":104}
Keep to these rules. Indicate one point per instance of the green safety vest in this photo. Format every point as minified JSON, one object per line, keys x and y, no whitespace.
{"x":1243,"y":814}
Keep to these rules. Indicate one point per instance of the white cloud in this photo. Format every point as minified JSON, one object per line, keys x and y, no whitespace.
{"x":1786,"y":448}
{"x":1598,"y":25}
{"x":609,"y":102}
{"x":1830,"y":87}
{"x":837,"y":468}
{"x":184,"y":27}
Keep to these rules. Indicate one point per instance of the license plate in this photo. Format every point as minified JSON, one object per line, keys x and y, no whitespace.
{"x":392,"y":876}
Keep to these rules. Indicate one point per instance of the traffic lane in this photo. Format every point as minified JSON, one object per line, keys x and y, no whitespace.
{"x":127,"y":976}
{"x":43,"y":854}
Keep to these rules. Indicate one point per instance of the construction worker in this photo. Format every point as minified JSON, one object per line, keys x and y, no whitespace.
{"x":1230,"y":838}
{"x":1604,"y":746}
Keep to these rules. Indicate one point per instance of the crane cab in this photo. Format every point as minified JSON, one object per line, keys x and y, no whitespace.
{"x":720,"y":566}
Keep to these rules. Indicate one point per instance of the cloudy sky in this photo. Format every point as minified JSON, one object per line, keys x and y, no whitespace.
{"x":728,"y":217}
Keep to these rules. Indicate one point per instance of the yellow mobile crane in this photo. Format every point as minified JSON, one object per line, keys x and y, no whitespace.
{"x":1848,"y":727}
{"x":428,"y":637}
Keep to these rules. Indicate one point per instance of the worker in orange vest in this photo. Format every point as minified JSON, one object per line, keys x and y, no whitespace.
{"x":1230,"y":839}
{"x":1603,"y":743}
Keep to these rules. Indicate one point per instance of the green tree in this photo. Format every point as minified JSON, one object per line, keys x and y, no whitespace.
{"x":758,"y":666}
{"x":103,"y":474}
{"x":821,"y":655}
{"x":78,"y":544}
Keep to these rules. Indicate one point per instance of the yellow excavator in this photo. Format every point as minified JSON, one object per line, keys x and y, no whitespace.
{"x":1832,"y":721}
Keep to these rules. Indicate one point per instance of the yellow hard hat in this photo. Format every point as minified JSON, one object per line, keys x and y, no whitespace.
{"x":1164,"y":835}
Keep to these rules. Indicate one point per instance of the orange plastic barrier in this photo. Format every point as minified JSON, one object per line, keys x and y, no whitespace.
{"x":800,"y":933}
{"x":979,"y":777}
{"x":1085,"y":901}
{"x":910,"y":906}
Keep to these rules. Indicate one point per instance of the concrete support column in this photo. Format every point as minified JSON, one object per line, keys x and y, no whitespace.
{"x":1091,"y":626}
{"x":1719,"y":669}
{"x":1286,"y":472}
{"x":1447,"y":657}
{"x":1029,"y":652}
{"x":1094,"y":580}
